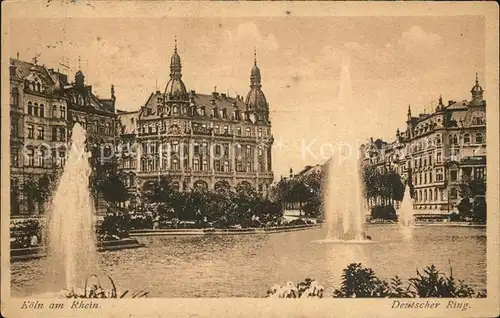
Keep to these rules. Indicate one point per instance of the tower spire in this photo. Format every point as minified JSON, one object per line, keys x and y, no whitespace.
{"x":175,"y":43}
{"x":254,"y":56}
{"x":477,"y":79}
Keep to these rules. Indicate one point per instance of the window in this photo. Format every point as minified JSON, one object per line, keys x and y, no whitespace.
{"x":425,"y":178}
{"x":226,"y":130}
{"x":14,"y":97}
{"x":62,"y":134}
{"x":430,"y":160}
{"x":175,"y":146}
{"x":454,"y":139}
{"x":479,"y":138}
{"x":217,"y":165}
{"x":216,"y":129}
{"x":62,"y":112}
{"x":479,"y":174}
{"x":239,"y":166}
{"x":42,"y":110}
{"x":249,"y":166}
{"x":435,"y":194}
{"x":466,"y":139}
{"x":238,"y":131}
{"x":226,"y":149}
{"x":41,"y":134}
{"x":196,"y":149}
{"x":425,"y":195}
{"x":31,"y":157}
{"x":248,"y":151}
{"x":204,"y":148}
{"x":420,"y":178}
{"x":453,"y":175}
{"x":430,"y":177}
{"x":175,"y":164}
{"x":260,"y":132}
{"x":14,"y":128}
{"x":205,"y":165}
{"x":217,"y":150}
{"x":425,"y":162}
{"x":430,"y":194}
{"x":453,"y":193}
{"x":54,"y":111}
{"x":31,"y":131}
{"x":248,"y":132}
{"x":41,"y":157}
{"x":196,"y":165}
{"x":35,"y":109}
{"x":14,"y":159}
{"x":175,"y":110}
{"x":30,"y":108}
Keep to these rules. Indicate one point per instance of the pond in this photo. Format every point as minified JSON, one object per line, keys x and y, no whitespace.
{"x":247,"y":265}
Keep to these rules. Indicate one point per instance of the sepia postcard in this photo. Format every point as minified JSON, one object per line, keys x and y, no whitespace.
{"x":250,"y":159}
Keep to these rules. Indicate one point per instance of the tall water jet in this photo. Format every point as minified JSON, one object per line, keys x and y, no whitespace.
{"x":406,"y":218}
{"x":71,"y":234}
{"x":343,"y":201}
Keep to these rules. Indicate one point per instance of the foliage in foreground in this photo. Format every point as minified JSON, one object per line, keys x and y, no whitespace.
{"x":95,"y":290}
{"x":360,"y":282}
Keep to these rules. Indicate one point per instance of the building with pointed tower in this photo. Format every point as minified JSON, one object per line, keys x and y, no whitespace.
{"x":200,"y":140}
{"x":440,"y":151}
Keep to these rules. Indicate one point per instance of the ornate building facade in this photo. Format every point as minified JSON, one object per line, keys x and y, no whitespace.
{"x":439,"y":151}
{"x":199,"y":139}
{"x":44,"y":106}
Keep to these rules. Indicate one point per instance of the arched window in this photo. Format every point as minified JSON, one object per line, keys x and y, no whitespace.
{"x":42,"y":110}
{"x":175,"y":109}
{"x":479,"y":138}
{"x":466,"y":139}
{"x":54,"y":111}
{"x":430,"y":195}
{"x":62,"y":112}
{"x":35,"y":109}
{"x":435,"y":194}
{"x":425,"y":195}
{"x":420,"y":195}
{"x":30,"y":108}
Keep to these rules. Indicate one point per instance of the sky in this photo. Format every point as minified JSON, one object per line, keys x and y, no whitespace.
{"x":307,"y":65}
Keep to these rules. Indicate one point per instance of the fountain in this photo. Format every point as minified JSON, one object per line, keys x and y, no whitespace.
{"x":71,"y":235}
{"x":343,"y":201}
{"x":406,"y":219}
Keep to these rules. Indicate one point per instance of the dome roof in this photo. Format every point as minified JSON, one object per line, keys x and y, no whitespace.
{"x":477,"y":88}
{"x":175,"y":87}
{"x":256,"y":99}
{"x":175,"y":61}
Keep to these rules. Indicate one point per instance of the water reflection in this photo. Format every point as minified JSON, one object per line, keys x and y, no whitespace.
{"x":246,"y":266}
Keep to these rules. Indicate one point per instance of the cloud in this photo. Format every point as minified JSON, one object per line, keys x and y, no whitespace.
{"x":248,"y":33}
{"x":417,"y":37}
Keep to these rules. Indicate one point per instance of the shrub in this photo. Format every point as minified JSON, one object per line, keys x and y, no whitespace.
{"x":309,"y":288}
{"x":360,"y":282}
{"x":386,"y":212}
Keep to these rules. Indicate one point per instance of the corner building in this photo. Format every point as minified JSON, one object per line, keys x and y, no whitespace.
{"x":200,"y":140}
{"x":440,"y":151}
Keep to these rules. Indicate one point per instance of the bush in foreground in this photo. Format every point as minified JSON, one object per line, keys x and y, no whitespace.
{"x":360,"y":282}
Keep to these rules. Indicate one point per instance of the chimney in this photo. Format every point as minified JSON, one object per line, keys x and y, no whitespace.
{"x":451,"y":102}
{"x":193,"y":92}
{"x":215,"y":95}
{"x":223,"y":95}
{"x":157,"y":92}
